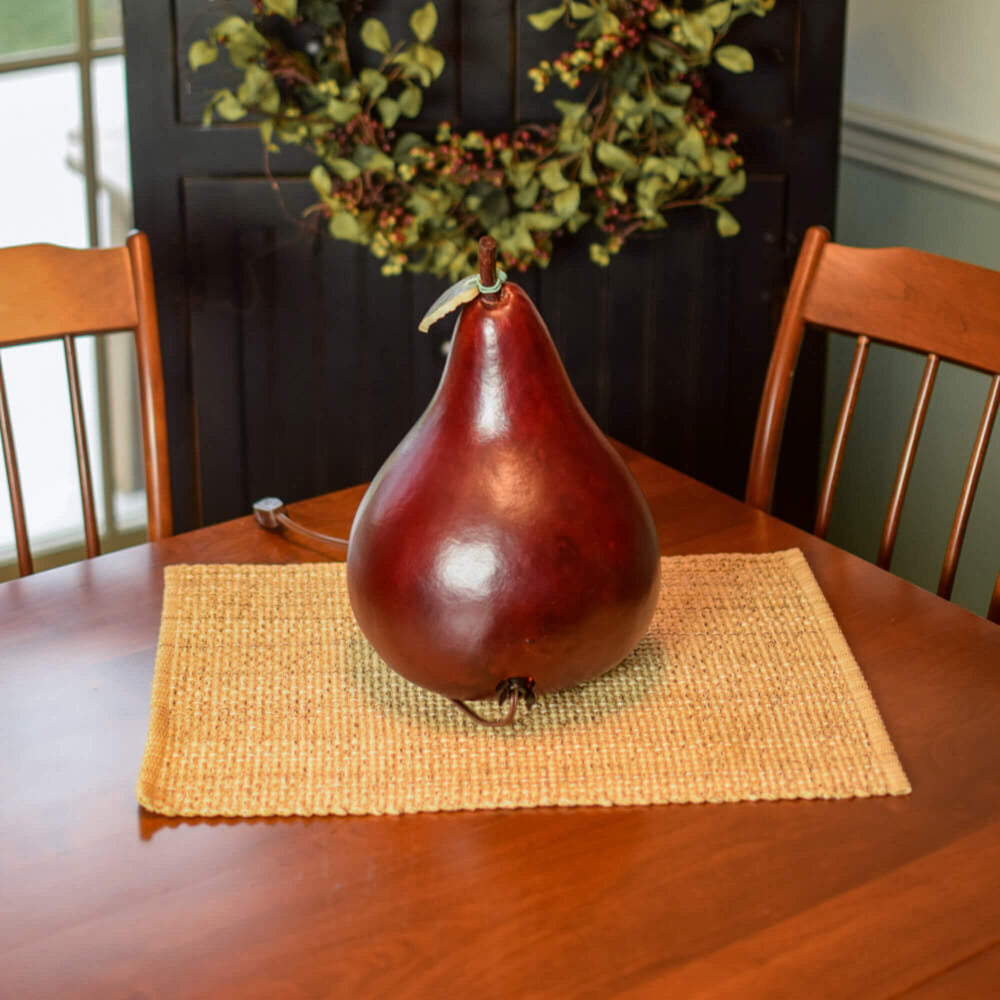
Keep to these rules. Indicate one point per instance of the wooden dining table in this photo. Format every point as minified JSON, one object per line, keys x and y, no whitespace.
{"x":876,"y":897}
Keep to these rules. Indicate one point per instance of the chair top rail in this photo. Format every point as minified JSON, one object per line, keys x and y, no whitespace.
{"x":47,"y":291}
{"x":910,"y":299}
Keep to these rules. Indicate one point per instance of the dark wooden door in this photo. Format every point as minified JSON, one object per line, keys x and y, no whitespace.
{"x":293,"y":367}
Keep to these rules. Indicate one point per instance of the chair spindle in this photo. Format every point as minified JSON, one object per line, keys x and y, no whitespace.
{"x":891,"y":527}
{"x":840,"y":437}
{"x":82,"y":458}
{"x":969,"y":485}
{"x":24,"y":564}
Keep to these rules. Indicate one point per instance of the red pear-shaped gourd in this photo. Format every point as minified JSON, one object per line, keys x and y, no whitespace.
{"x":504,"y":537}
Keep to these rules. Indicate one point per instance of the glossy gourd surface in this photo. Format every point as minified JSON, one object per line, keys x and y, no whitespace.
{"x":503,"y":537}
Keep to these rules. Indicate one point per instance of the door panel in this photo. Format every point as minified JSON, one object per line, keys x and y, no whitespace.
{"x":293,"y":366}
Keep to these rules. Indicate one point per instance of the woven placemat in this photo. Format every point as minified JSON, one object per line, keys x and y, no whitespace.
{"x":267,"y":700}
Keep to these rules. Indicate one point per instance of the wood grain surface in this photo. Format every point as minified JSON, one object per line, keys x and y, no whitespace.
{"x":863,"y":898}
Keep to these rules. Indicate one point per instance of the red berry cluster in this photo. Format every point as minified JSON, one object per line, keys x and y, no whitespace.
{"x":588,"y":55}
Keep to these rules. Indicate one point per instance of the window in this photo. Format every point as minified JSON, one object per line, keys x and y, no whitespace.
{"x":66,"y":178}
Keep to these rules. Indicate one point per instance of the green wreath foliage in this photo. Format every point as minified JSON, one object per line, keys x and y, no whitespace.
{"x":639,"y":142}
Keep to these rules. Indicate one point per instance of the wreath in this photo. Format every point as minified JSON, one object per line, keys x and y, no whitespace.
{"x":640,"y":142}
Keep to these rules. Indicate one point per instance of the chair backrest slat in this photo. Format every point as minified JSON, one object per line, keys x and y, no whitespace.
{"x":24,"y":564}
{"x":82,"y":457}
{"x":969,"y":485}
{"x":891,"y":527}
{"x":840,"y":438}
{"x":942,"y":308}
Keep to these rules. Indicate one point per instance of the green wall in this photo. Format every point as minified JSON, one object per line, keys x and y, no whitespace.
{"x":879,"y":208}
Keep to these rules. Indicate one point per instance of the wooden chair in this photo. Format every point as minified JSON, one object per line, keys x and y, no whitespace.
{"x":933,"y":305}
{"x":49,"y":292}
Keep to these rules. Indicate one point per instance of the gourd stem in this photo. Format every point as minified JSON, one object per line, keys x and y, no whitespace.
{"x":507,"y":720}
{"x":488,"y":268}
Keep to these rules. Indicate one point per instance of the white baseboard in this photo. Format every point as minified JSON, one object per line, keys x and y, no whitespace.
{"x":916,"y":150}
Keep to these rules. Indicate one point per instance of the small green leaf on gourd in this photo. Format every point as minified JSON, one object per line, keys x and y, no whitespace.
{"x":726,"y":224}
{"x":202,"y":53}
{"x":587,"y":174}
{"x":552,"y":177}
{"x":609,"y":23}
{"x":735,"y":58}
{"x":388,"y":110}
{"x":544,"y":19}
{"x":581,"y":11}
{"x":423,"y":21}
{"x":375,"y":36}
{"x":321,"y":181}
{"x":286,"y":8}
{"x":410,"y":101}
{"x":567,"y":202}
{"x":373,"y":82}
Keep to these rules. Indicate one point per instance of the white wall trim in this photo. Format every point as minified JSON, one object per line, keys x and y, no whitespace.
{"x":908,"y":147}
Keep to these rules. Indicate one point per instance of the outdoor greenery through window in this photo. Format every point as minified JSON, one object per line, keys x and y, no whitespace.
{"x":53,"y":24}
{"x":63,"y":116}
